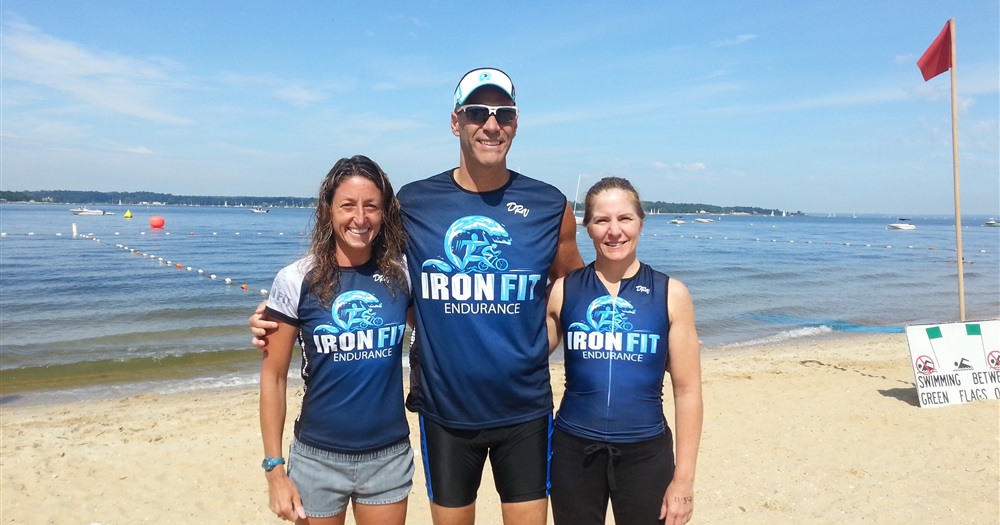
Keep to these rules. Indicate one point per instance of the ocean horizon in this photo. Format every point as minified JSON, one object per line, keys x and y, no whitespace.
{"x":120,"y":308}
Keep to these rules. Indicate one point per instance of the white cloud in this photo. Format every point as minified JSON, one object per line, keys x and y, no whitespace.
{"x":298,"y":96}
{"x":740,"y":39}
{"x":107,"y":81}
{"x":141,"y":150}
{"x":679,"y":166}
{"x":835,"y":100}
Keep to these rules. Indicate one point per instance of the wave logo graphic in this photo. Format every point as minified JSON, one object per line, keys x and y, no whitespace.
{"x":352,"y":311}
{"x":606,"y":314}
{"x":472,"y":245}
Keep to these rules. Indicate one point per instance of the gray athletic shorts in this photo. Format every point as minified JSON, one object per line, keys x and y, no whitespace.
{"x":327,"y":481}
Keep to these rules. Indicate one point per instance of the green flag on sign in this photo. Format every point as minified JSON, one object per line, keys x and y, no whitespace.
{"x":973,"y":329}
{"x":934,"y":332}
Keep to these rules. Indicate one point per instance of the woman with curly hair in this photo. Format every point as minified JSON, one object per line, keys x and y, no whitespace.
{"x":346,"y":304}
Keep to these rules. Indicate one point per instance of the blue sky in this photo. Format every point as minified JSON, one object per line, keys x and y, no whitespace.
{"x":805,"y":105}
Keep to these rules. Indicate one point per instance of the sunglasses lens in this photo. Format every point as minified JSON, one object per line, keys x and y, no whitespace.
{"x":505,"y":115}
{"x":481,"y":114}
{"x":477,"y":114}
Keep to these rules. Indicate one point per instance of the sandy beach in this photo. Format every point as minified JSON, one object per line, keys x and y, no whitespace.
{"x":815,"y":431}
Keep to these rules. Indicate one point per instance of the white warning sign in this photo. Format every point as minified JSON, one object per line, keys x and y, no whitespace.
{"x":956,"y":362}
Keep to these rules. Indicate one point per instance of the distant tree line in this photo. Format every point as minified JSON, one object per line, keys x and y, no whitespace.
{"x":134,"y":198}
{"x":709,"y":209}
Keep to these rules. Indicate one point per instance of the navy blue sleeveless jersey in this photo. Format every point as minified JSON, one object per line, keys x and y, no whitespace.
{"x":478,"y":264}
{"x":351,"y":358}
{"x":616,"y":352}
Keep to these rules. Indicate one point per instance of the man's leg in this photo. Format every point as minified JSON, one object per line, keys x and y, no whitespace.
{"x":453,"y":466}
{"x":524,"y":513}
{"x":520,"y":461}
{"x":455,"y":515}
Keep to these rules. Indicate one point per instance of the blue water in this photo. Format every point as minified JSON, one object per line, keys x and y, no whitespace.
{"x":112,"y":302}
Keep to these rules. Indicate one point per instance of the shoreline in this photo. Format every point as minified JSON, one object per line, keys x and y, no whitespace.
{"x":95,"y":381}
{"x":825,"y":430}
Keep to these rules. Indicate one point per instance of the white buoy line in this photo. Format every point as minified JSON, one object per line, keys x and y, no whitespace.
{"x":644,"y":234}
{"x":170,"y":263}
{"x":166,"y":262}
{"x":75,"y":234}
{"x":179,"y":266}
{"x":792,"y":241}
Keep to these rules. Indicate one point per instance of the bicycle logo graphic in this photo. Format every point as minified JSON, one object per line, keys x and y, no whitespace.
{"x":606,"y":314}
{"x":352,"y":311}
{"x":472,"y":244}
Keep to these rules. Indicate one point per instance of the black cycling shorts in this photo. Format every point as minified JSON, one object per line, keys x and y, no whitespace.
{"x":454,"y":460}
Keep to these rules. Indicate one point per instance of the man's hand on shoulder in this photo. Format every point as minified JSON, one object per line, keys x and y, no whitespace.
{"x":261,"y":327}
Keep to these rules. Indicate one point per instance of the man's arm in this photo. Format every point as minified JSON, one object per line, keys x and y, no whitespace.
{"x":567,"y":254}
{"x":552,"y":313}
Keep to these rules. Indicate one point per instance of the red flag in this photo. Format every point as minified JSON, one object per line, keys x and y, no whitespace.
{"x":937,"y":58}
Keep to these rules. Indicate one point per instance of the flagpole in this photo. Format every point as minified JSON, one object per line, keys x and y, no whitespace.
{"x":954,"y":155}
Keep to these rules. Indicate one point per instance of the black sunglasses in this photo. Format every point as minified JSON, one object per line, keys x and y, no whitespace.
{"x":480,"y":113}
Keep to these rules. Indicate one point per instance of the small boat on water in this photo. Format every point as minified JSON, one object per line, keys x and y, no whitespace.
{"x":703,"y":219}
{"x":258,"y":209}
{"x":902,"y":224}
{"x":677,"y":220}
{"x":576,"y":215}
{"x":83,"y":210}
{"x":992,"y":222}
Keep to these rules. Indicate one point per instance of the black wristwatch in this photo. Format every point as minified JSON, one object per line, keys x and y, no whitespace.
{"x":269,"y":463}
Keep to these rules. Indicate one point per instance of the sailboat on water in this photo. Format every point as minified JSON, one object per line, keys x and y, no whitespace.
{"x":578,"y":217}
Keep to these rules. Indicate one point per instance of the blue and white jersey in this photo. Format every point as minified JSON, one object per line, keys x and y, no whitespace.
{"x":351,"y":358}
{"x":479,"y":265}
{"x":616,"y":352}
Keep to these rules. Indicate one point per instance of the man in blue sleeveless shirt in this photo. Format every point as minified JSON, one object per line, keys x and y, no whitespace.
{"x":483,"y":243}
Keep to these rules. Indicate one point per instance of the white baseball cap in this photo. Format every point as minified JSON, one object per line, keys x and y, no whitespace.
{"x":478,"y":78}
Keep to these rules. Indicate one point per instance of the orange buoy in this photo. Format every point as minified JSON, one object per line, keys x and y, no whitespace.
{"x":244,"y":287}
{"x":156,"y":222}
{"x":178,"y":266}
